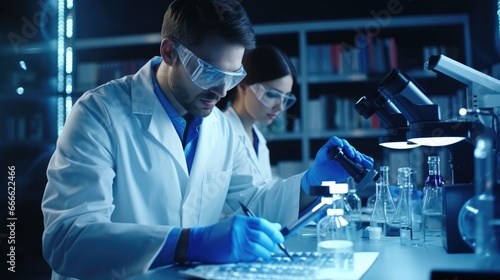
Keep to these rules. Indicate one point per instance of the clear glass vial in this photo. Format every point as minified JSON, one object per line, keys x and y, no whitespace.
{"x":335,"y":234}
{"x":354,"y":202}
{"x":433,"y":199}
{"x":409,"y":212}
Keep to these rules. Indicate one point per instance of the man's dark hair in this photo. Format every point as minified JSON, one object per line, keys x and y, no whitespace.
{"x":190,"y":21}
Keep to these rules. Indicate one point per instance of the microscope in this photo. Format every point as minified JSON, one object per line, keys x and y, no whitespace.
{"x":460,"y":136}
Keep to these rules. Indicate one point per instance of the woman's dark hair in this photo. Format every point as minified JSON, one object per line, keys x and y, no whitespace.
{"x":190,"y":21}
{"x":264,"y":63}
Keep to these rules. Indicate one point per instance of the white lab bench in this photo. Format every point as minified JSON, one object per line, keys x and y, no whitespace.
{"x":394,"y":262}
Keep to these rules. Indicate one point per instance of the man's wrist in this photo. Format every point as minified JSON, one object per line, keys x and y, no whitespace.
{"x":182,"y":247}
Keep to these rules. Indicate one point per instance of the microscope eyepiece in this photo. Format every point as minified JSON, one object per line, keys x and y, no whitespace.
{"x":361,"y":175}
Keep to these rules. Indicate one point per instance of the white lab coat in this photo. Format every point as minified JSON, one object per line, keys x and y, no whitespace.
{"x":118,"y":182}
{"x":260,"y":161}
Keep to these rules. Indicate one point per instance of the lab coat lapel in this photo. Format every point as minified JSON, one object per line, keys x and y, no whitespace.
{"x":163,"y":130}
{"x":207,"y":148}
{"x":156,"y":120}
{"x":249,"y":148}
{"x":242,"y":135}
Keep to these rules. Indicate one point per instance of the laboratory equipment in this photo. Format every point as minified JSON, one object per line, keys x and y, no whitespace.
{"x":467,"y":221}
{"x":361,"y":175}
{"x":354,"y":202}
{"x":476,"y":220}
{"x":384,"y":208}
{"x":426,"y":126}
{"x":306,"y":218}
{"x":454,"y":197}
{"x":335,"y":233}
{"x":433,"y":199}
{"x":482,"y":90}
{"x":401,"y":206}
{"x":395,"y":123}
{"x":483,"y":104}
{"x":409,"y":210}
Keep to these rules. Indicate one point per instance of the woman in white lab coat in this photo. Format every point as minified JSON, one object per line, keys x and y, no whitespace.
{"x":262,"y":95}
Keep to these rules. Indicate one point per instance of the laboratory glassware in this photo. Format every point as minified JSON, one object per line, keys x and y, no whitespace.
{"x":384,"y":208}
{"x":354,"y":202}
{"x":433,"y":199}
{"x":335,"y":233}
{"x":409,"y":212}
{"x":476,"y":220}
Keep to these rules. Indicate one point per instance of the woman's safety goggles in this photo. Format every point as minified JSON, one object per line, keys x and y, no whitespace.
{"x":269,"y":97}
{"x":204,"y":74}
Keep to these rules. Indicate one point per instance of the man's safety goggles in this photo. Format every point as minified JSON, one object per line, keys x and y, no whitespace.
{"x":204,"y":74}
{"x":269,"y":97}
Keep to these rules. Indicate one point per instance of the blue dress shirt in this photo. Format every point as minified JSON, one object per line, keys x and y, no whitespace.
{"x":189,"y":139}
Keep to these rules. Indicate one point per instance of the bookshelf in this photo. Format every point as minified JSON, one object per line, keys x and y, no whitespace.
{"x":330,"y":91}
{"x":338,"y":61}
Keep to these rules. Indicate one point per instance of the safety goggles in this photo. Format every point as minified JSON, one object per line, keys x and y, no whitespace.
{"x":269,"y":97}
{"x":204,"y":74}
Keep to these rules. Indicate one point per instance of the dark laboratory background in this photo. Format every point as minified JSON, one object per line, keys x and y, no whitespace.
{"x":30,"y":101}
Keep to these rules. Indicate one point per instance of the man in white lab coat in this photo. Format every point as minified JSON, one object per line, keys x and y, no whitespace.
{"x":145,"y":164}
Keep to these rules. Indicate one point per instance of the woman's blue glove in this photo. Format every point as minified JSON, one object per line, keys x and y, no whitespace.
{"x":239,"y":238}
{"x":325,"y":169}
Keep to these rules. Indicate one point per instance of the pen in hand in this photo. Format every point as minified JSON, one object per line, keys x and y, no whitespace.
{"x":249,"y":213}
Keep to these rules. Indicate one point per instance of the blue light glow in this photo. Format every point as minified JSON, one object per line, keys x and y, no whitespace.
{"x":69,"y":60}
{"x":60,"y":46}
{"x":69,"y":105}
{"x":60,"y":115}
{"x":20,"y":90}
{"x":69,"y":27}
{"x":23,"y":65}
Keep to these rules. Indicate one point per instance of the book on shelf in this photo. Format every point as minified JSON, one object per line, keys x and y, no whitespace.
{"x":317,"y":109}
{"x":332,"y":112}
{"x":369,"y":54}
{"x":449,"y":105}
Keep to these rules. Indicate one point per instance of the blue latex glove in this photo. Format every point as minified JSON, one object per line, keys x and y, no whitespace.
{"x":239,"y":238}
{"x":324,"y":169}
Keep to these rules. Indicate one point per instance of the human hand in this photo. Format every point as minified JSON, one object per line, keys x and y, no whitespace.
{"x":325,"y":169}
{"x":239,"y":238}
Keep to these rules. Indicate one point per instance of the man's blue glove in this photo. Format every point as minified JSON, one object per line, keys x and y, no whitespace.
{"x":239,"y":238}
{"x":324,"y":169}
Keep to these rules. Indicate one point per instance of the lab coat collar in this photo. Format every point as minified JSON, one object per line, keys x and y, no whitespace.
{"x":242,"y":135}
{"x":155,"y":119}
{"x":145,"y":102}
